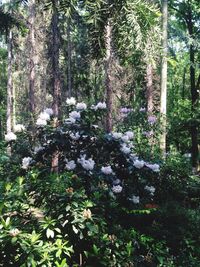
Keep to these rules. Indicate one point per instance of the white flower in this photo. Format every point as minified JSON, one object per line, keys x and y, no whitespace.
{"x":125,"y":138}
{"x":142,"y":109}
{"x":70,"y":165}
{"x":18,"y":128}
{"x":138,"y":163}
{"x":135,"y":199}
{"x":41,"y":122}
{"x":125,"y":110}
{"x":125,"y":149}
{"x":75,"y":115}
{"x":116,"y":135}
{"x":107,"y":170}
{"x":71,"y":101}
{"x":14,"y":232}
{"x":86,"y":164}
{"x":153,"y":167}
{"x":130,"y":134}
{"x":75,"y":136}
{"x":151,"y":189}
{"x":70,"y":121}
{"x":117,"y":189}
{"x":10,"y":137}
{"x":49,"y":111}
{"x":44,"y":116}
{"x":38,"y":149}
{"x":26,"y":162}
{"x":81,"y":106}
{"x":152,"y":119}
{"x":100,"y":105}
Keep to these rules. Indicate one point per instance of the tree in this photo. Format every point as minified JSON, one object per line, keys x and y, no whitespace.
{"x":163,"y":97}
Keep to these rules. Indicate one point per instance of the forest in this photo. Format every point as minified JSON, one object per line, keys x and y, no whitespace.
{"x":99,"y":133}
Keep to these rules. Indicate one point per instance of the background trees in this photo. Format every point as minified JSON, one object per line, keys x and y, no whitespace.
{"x":103,"y":50}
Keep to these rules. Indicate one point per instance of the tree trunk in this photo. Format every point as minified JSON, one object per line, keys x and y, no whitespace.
{"x":56,"y":79}
{"x":55,"y":62}
{"x":9,"y":85}
{"x":32,"y":62}
{"x":149,"y":87}
{"x":194,"y":94}
{"x":163,"y":97}
{"x":108,"y":79}
{"x":69,"y":56}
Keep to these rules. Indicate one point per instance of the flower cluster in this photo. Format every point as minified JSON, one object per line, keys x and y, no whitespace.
{"x":10,"y":137}
{"x":44,"y":117}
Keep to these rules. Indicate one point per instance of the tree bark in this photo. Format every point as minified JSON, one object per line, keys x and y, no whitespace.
{"x":32,"y":57}
{"x":149,"y":87}
{"x":56,"y":79}
{"x":69,"y":56}
{"x":55,"y":62}
{"x":163,"y":97}
{"x":108,"y":79}
{"x":9,"y":85}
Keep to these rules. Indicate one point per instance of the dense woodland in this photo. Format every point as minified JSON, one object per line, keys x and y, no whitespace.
{"x":99,"y":133}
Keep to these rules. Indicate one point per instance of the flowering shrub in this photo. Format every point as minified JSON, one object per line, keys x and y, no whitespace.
{"x":85,"y":149}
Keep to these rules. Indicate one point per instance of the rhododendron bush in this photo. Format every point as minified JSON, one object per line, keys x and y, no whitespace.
{"x":85,"y":149}
{"x":98,"y":205}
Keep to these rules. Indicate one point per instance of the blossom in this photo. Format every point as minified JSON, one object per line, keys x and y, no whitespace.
{"x":26,"y":162}
{"x":19,"y":128}
{"x":130,"y":134}
{"x":75,"y":115}
{"x":81,"y":106}
{"x":126,"y":110}
{"x":100,"y":105}
{"x":150,"y":189}
{"x":154,"y":167}
{"x":107,"y":170}
{"x":70,"y":165}
{"x":10,"y":137}
{"x":142,"y":109}
{"x":38,"y":149}
{"x":125,"y":149}
{"x":117,"y":189}
{"x":135,"y":199}
{"x":116,"y":182}
{"x":138,"y":163}
{"x":44,"y":116}
{"x":14,"y":232}
{"x":41,"y":122}
{"x":71,"y":101}
{"x":152,"y":119}
{"x":125,"y":138}
{"x":49,"y":111}
{"x":86,"y":164}
{"x":75,"y":136}
{"x":116,"y":135}
{"x":87,"y":214}
{"x":148,"y":134}
{"x":70,"y":121}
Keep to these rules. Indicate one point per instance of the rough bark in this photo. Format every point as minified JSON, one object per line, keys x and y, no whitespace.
{"x":69,"y":56}
{"x":55,"y":62}
{"x":32,"y":56}
{"x":163,"y":96}
{"x":149,"y":87}
{"x":56,"y":79}
{"x":108,"y":79}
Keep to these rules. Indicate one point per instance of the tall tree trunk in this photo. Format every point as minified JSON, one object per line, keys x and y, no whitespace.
{"x":183,"y":88}
{"x":163,"y":97}
{"x":56,"y":78}
{"x":55,"y":62}
{"x":9,"y":124}
{"x":108,"y":79}
{"x":9,"y":85}
{"x":69,"y":57}
{"x":32,"y":57}
{"x":149,"y":87}
{"x":194,"y":93}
